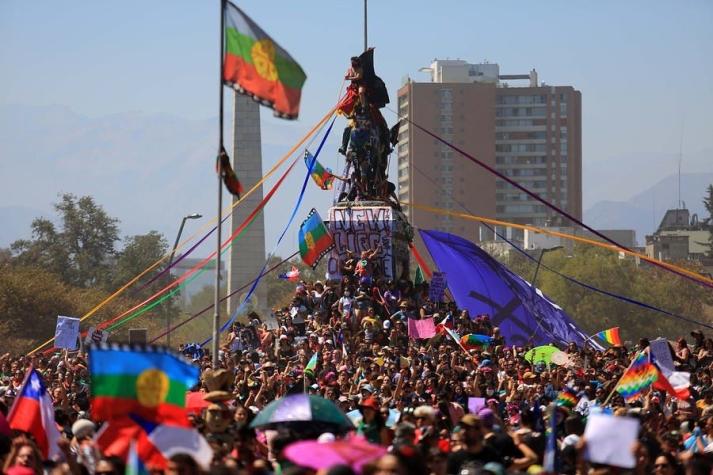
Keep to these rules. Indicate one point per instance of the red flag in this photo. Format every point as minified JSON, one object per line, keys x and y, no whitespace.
{"x":33,"y":413}
{"x":230,"y":178}
{"x":114,"y":439}
{"x":663,"y":384}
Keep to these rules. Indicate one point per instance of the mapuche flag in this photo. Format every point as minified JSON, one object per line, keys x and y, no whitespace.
{"x":148,"y":382}
{"x":257,"y":66}
{"x":314,"y":239}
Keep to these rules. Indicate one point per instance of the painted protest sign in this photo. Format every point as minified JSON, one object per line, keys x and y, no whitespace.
{"x":662,"y":354}
{"x":67,"y":333}
{"x":437,"y":287}
{"x":360,"y":229}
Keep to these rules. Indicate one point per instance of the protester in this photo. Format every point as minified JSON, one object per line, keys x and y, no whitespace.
{"x":412,"y":396}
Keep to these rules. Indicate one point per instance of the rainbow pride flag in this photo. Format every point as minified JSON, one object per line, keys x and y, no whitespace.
{"x":567,"y":397}
{"x":314,"y":239}
{"x":473,"y":340}
{"x":640,"y":374}
{"x":323,"y":177}
{"x":610,"y":336}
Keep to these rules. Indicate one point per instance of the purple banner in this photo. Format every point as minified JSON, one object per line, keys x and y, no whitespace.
{"x":484,"y":286}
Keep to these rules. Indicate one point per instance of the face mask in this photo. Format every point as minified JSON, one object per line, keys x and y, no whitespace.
{"x":347,"y":294}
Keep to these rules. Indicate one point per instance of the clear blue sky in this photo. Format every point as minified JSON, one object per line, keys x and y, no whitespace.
{"x":644,"y":67}
{"x":643,"y":63}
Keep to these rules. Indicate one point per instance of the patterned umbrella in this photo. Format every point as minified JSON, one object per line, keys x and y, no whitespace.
{"x":302,"y":411}
{"x":353,"y":451}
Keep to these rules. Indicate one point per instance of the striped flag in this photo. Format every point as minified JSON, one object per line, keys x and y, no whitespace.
{"x":610,"y":336}
{"x":640,"y":374}
{"x":323,"y":177}
{"x":255,"y":65}
{"x":311,"y":365}
{"x":134,"y":466}
{"x":567,"y":397}
{"x":314,"y":239}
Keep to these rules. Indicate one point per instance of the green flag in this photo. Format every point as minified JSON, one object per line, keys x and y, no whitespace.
{"x":419,"y":276}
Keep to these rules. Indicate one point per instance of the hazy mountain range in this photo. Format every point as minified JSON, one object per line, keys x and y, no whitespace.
{"x":150,"y":170}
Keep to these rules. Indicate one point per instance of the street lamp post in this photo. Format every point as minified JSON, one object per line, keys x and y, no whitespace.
{"x":539,"y":261}
{"x":170,"y":261}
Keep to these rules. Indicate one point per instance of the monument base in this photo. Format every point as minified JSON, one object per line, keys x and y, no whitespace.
{"x":363,"y":225}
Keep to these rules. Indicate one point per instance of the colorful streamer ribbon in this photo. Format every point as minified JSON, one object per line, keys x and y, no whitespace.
{"x":674,"y":269}
{"x":240,"y":308}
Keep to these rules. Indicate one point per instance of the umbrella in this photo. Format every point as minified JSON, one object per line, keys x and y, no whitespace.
{"x":541,"y":354}
{"x":301,"y":412}
{"x":353,"y":451}
{"x":195,"y":402}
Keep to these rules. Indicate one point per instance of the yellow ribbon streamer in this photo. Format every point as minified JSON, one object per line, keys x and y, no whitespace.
{"x":203,"y":228}
{"x":572,"y":237}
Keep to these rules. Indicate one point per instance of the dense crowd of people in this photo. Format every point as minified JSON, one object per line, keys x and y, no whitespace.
{"x":411,"y":394}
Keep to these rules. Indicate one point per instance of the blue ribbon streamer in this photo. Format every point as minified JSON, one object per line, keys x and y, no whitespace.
{"x":572,"y":279}
{"x":308,"y":176}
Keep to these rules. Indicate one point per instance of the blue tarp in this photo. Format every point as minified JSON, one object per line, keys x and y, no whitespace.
{"x":482,"y":285}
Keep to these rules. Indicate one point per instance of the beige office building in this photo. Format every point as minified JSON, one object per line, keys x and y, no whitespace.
{"x":530,"y":133}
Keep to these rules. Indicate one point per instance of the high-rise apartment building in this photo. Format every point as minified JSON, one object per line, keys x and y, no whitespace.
{"x":532,"y":134}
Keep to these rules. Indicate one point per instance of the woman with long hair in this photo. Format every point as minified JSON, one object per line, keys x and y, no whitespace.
{"x":24,"y":453}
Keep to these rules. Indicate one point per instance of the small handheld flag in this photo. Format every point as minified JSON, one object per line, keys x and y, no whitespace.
{"x":640,"y":374}
{"x":311,"y":366}
{"x":293,"y":275}
{"x":323,"y":177}
{"x":33,"y":412}
{"x":567,"y":397}
{"x":314,"y":239}
{"x":257,"y":66}
{"x":473,"y":340}
{"x":610,"y":336}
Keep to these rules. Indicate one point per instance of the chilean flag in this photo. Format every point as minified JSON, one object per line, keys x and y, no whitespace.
{"x":293,"y":275}
{"x":445,"y":323}
{"x":33,"y":412}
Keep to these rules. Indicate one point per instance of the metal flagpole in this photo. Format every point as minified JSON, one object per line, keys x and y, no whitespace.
{"x":216,"y":303}
{"x":366,"y":43}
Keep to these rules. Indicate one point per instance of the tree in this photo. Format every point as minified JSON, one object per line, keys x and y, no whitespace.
{"x":280,"y":292}
{"x":604,"y":270}
{"x":708,"y":203}
{"x":81,"y":251}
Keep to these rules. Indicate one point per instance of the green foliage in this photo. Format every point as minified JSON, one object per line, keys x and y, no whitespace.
{"x":81,"y":251}
{"x":68,"y":268}
{"x":280,"y":292}
{"x":708,"y":203}
{"x":605,"y":270}
{"x":31,"y":299}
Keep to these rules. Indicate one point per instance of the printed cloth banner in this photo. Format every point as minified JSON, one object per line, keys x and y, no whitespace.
{"x":314,"y":239}
{"x":484,"y":286}
{"x":421,"y":328}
